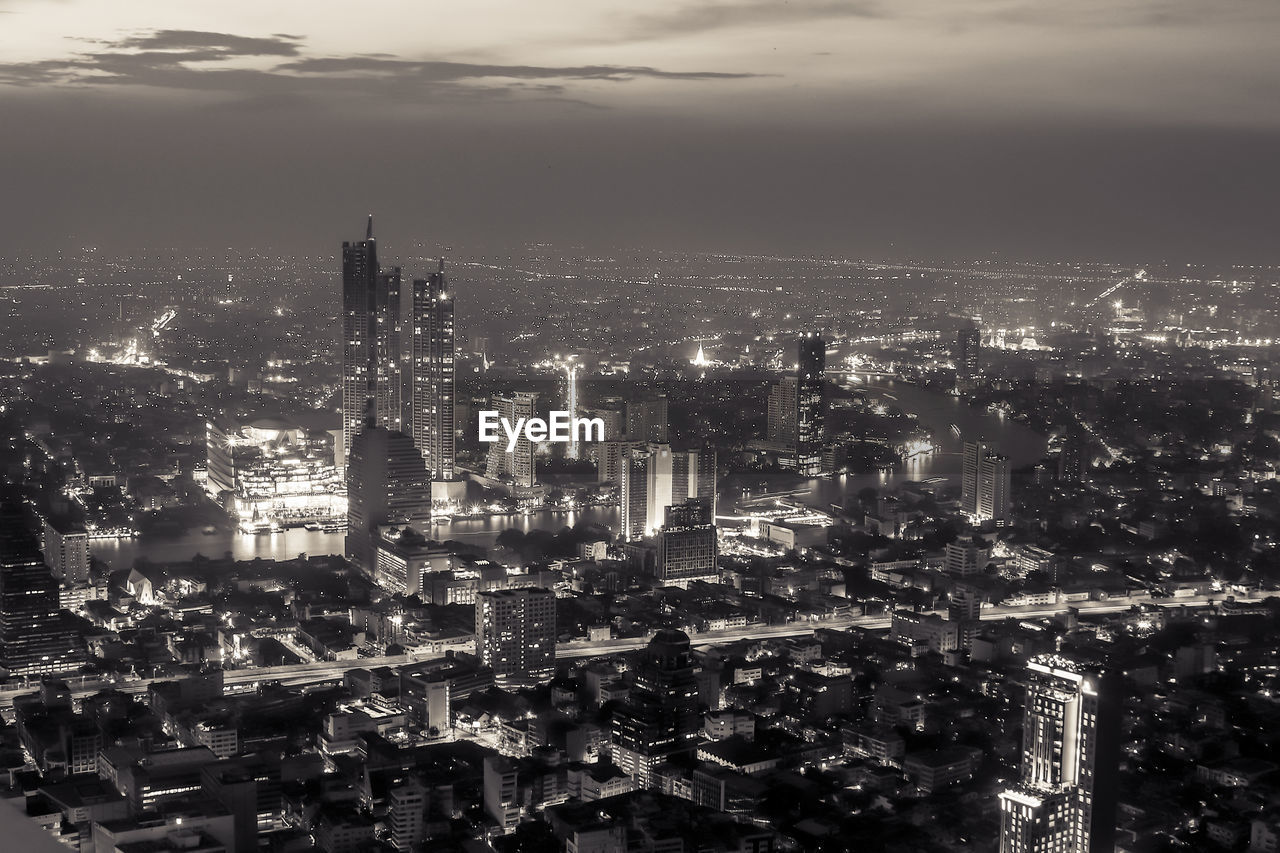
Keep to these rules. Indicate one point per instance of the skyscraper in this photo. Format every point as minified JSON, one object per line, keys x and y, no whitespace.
{"x":516,"y":633}
{"x":797,"y":409}
{"x":984,"y":486}
{"x":687,"y":544}
{"x":655,"y":477}
{"x":34,"y":638}
{"x":432,"y":367}
{"x":387,"y":483}
{"x":1066,"y":797}
{"x":517,"y":464}
{"x":811,"y":404}
{"x":647,"y":419}
{"x":968,"y":348}
{"x":371,"y":345}
{"x":660,"y":719}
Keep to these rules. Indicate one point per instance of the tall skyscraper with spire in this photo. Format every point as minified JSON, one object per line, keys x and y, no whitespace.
{"x":429,"y":415}
{"x":371,"y":345}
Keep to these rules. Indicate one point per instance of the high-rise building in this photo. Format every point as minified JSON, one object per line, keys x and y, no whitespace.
{"x":647,"y":419}
{"x":610,"y":457}
{"x":655,"y":477}
{"x":811,"y":404}
{"x":371,"y":346}
{"x":968,"y":349}
{"x":517,"y":464}
{"x":34,"y":638}
{"x":797,"y":408}
{"x":431,"y":411}
{"x":387,"y":483}
{"x":66,"y":551}
{"x":1073,"y":461}
{"x":660,"y":718}
{"x":782,"y":416}
{"x":687,"y":544}
{"x":1066,"y":797}
{"x":516,"y":634}
{"x":984,"y":486}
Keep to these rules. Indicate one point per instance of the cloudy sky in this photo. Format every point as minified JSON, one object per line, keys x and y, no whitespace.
{"x":1119,"y":129}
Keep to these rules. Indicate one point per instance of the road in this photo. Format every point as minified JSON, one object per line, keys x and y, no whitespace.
{"x":323,"y":671}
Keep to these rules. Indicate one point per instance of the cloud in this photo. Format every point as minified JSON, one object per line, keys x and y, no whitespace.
{"x":194,"y":60}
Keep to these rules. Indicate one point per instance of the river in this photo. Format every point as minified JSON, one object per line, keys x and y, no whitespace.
{"x":936,"y":413}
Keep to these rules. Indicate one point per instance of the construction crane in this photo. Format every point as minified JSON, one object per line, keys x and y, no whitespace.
{"x":1140,"y":275}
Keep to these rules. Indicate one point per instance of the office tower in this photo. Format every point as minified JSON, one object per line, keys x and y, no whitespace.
{"x":660,"y":718}
{"x":968,"y":348}
{"x":963,"y":558}
{"x":655,"y":477}
{"x":1073,"y":460}
{"x":647,"y":419}
{"x":797,"y":409}
{"x":432,"y":368}
{"x":811,"y":404}
{"x":66,"y":551}
{"x":516,"y":634}
{"x":34,"y":638}
{"x":517,"y":466}
{"x":984,"y":487}
{"x":610,"y":456}
{"x":371,"y":345}
{"x":783,"y":413}
{"x":407,"y":813}
{"x":387,"y":483}
{"x":687,"y":545}
{"x":1066,"y":797}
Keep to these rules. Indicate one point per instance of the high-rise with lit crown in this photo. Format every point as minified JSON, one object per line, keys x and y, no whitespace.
{"x":811,"y":403}
{"x":431,"y":411}
{"x":1065,"y":802}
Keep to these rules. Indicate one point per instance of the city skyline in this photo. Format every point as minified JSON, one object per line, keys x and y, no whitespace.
{"x":750,"y":428}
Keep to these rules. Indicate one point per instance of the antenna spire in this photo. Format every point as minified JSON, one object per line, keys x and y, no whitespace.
{"x":368,"y":233}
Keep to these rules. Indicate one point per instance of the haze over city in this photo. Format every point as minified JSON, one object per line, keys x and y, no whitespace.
{"x":1124,"y":131}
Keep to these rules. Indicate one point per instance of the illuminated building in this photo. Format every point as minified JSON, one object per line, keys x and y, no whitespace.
{"x":660,"y":718}
{"x":984,"y":486}
{"x":655,"y":477}
{"x":811,"y":404}
{"x":782,"y":416}
{"x":1065,"y":801}
{"x":647,"y":419}
{"x":516,"y":466}
{"x":968,"y":349}
{"x":273,"y":471}
{"x":610,"y":456}
{"x":431,"y":412}
{"x":371,"y":347}
{"x":387,"y":483}
{"x":34,"y":639}
{"x":797,"y":409}
{"x":403,"y":556}
{"x":66,"y":550}
{"x":516,"y":634}
{"x":687,"y":544}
